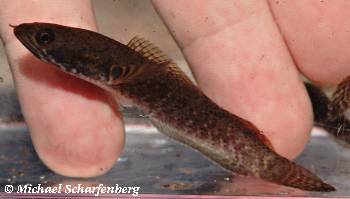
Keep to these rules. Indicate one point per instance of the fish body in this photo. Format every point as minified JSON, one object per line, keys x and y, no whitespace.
{"x":142,"y":75}
{"x":330,"y":114}
{"x":340,"y":101}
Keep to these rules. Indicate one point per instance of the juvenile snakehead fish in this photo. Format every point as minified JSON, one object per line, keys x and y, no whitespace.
{"x":140,"y":74}
{"x":330,"y":114}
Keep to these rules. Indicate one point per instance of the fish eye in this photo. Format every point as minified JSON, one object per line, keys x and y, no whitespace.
{"x":116,"y":72}
{"x":44,"y":36}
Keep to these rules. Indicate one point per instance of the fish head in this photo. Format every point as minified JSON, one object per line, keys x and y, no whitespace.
{"x":79,"y":52}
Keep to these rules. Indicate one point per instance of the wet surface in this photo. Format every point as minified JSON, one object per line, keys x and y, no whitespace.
{"x":160,"y":165}
{"x":10,"y":110}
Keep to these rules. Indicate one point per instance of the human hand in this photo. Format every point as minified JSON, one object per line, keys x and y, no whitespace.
{"x":241,"y":60}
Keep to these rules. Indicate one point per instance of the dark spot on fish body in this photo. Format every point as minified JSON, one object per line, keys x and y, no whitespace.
{"x":215,"y":133}
{"x":238,"y":147}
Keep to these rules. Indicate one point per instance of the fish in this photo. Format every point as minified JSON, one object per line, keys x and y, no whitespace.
{"x":330,"y":113}
{"x":140,"y":74}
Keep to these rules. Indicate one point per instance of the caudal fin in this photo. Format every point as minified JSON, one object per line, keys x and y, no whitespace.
{"x":282,"y":171}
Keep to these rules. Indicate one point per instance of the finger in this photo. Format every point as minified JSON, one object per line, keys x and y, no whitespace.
{"x":320,"y":42}
{"x":73,"y":125}
{"x":240,"y":61}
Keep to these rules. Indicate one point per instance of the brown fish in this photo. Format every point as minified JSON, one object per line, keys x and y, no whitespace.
{"x":330,"y":113}
{"x":140,"y":74}
{"x":340,"y":101}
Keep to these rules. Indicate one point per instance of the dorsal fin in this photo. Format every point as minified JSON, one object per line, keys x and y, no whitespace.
{"x":148,"y":50}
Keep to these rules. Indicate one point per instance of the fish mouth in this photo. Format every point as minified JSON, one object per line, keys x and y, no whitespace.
{"x":26,"y":40}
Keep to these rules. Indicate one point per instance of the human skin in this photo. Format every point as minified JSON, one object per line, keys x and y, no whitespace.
{"x":234,"y":48}
{"x":74,"y":125}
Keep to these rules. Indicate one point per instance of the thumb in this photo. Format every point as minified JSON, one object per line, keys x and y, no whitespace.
{"x":74,"y":126}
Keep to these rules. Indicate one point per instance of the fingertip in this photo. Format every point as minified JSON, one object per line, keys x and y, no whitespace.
{"x":75,"y":128}
{"x":77,"y":131}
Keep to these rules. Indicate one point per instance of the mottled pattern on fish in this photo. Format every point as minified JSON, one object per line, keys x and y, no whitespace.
{"x":340,"y":101}
{"x":330,"y":113}
{"x":140,"y":74}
